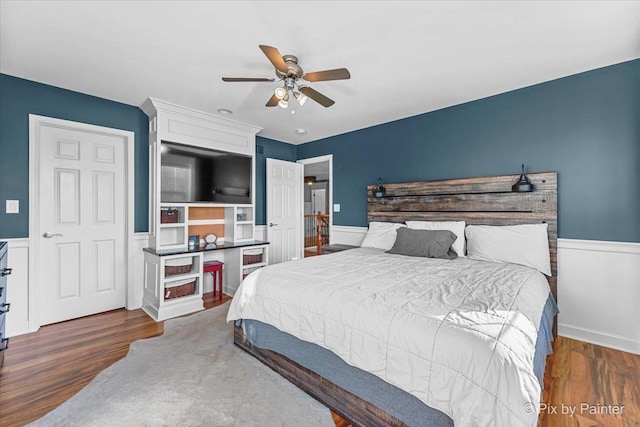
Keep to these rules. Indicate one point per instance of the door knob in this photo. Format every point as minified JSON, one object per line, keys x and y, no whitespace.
{"x":49,"y":235}
{"x":272,"y":224}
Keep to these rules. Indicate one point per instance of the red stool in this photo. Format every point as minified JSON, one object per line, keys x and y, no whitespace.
{"x":214,"y":267}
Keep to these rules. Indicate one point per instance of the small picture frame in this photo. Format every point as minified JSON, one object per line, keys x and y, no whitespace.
{"x":194,"y":241}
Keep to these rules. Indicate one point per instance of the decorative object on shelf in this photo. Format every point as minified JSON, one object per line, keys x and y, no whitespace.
{"x":523,"y":185}
{"x":289,"y":72}
{"x":168,"y":216}
{"x":211,"y":238}
{"x":194,"y":241}
{"x":310,"y":180}
{"x":379,"y":190}
{"x":241,"y":217}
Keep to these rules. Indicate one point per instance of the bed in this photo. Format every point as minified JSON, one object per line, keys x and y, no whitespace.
{"x":387,"y":339}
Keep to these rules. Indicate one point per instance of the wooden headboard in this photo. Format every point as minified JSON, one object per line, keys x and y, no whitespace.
{"x":478,"y":201}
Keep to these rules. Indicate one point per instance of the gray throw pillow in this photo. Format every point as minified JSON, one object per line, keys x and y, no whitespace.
{"x":424,"y":243}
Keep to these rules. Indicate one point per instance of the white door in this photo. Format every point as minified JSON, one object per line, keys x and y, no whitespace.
{"x":319,"y":201}
{"x":284,"y":216}
{"x":82,"y":200}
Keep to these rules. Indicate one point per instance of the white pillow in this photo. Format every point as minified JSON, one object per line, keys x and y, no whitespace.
{"x":526,"y":244}
{"x":457,"y":227}
{"x":381,"y":235}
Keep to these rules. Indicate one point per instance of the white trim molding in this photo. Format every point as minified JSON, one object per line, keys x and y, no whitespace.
{"x":599,"y":292}
{"x":320,"y":159}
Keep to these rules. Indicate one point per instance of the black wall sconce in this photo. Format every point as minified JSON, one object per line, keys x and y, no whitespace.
{"x":523,"y":185}
{"x":379,"y":190}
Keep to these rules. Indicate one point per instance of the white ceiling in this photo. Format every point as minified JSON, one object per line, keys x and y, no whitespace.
{"x":405,"y":58}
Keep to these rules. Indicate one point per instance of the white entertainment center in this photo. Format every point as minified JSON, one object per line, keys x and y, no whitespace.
{"x":173,"y":271}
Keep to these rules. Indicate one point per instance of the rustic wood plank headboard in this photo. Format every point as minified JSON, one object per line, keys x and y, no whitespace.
{"x":478,"y":201}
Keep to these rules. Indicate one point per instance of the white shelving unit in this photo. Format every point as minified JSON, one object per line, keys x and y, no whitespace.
{"x":236,"y":267}
{"x":168,"y":241}
{"x":158,"y":301}
{"x":239,"y":223}
{"x":249,"y":265}
{"x":173,"y":235}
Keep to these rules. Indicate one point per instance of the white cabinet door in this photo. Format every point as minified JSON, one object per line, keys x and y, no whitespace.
{"x":284,"y":210}
{"x":82,"y":221}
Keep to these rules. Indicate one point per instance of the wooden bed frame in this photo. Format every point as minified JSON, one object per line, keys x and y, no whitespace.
{"x":478,"y":201}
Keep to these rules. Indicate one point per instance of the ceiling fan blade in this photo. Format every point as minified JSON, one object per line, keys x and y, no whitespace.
{"x":273,"y":101}
{"x":317,"y":96}
{"x":274,"y":56}
{"x":323,"y":76}
{"x":248,"y":79}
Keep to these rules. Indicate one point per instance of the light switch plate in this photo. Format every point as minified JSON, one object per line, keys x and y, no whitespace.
{"x":13,"y":207}
{"x":336,"y":207}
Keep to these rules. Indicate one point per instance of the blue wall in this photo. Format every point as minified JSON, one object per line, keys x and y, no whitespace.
{"x":586,"y":127}
{"x":276,"y":150}
{"x":18,"y":99}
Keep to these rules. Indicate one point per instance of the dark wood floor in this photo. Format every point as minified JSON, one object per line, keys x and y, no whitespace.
{"x":44,"y":369}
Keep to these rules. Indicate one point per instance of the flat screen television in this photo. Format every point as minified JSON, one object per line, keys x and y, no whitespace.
{"x":195,"y":175}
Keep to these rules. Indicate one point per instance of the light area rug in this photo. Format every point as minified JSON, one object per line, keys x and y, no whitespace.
{"x":192,"y":375}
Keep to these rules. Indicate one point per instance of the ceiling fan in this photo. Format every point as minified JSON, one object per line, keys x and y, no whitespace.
{"x":290,"y":73}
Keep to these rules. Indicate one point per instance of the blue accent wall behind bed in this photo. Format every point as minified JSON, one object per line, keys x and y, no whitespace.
{"x":585,"y":126}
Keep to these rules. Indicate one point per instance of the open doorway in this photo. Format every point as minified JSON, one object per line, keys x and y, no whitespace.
{"x":317,"y":202}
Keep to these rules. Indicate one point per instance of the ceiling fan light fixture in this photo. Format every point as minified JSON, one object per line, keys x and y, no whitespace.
{"x":291,"y":75}
{"x":301,"y":97}
{"x":310,"y":180}
{"x":280,"y":92}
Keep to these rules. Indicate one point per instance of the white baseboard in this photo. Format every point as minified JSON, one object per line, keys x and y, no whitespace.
{"x":606,"y":340}
{"x":599,"y":292}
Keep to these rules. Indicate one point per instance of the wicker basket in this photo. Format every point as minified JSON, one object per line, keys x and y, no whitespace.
{"x":168,"y":216}
{"x":182,"y":290}
{"x":252,"y":256}
{"x":177,"y":266}
{"x":247,"y":272}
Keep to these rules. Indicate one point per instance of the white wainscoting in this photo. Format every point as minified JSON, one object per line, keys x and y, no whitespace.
{"x":18,"y":287}
{"x":21,"y":321}
{"x":598,"y":289}
{"x":347,"y":235}
{"x":136,"y":270}
{"x":599,"y":292}
{"x":598,"y":286}
{"x":260,"y":232}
